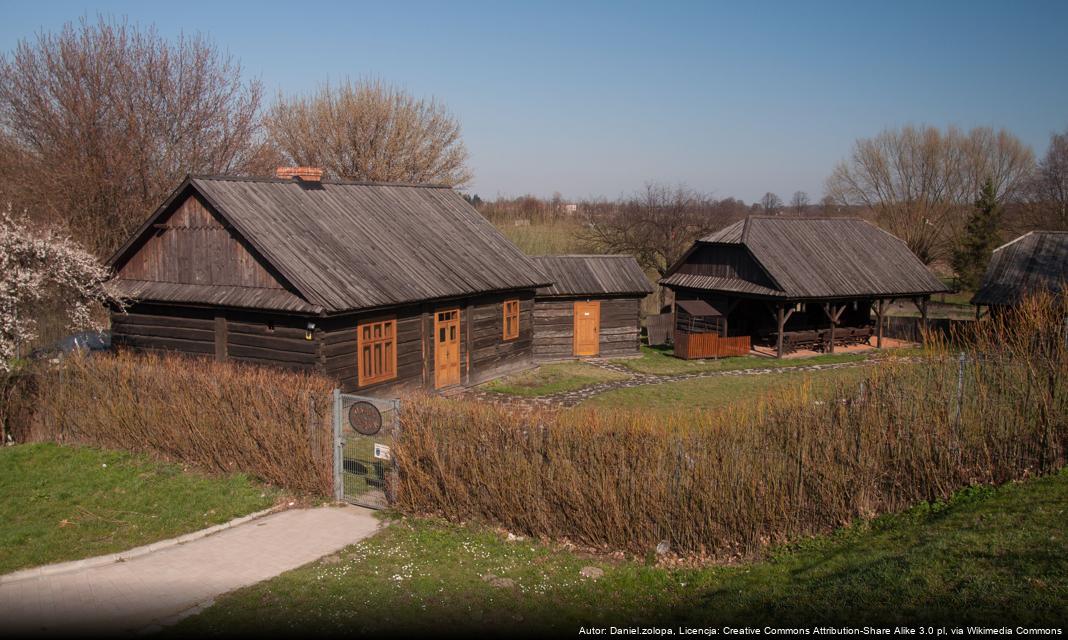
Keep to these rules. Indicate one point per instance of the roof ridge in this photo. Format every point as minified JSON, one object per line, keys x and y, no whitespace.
{"x":791,"y":217}
{"x":585,"y":255}
{"x":334,"y":181}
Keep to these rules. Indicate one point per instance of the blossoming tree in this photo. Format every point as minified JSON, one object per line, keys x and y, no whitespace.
{"x":38,"y":264}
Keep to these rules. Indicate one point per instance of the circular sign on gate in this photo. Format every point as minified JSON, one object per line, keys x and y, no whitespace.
{"x":365,"y":418}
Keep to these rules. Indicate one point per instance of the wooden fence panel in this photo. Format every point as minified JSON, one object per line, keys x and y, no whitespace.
{"x":692,"y":346}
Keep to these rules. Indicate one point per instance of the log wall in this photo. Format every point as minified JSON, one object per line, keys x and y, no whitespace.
{"x":282,"y":340}
{"x":554,"y":327}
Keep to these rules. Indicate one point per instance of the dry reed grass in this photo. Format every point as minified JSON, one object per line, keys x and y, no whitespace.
{"x":269,"y":423}
{"x":728,"y":484}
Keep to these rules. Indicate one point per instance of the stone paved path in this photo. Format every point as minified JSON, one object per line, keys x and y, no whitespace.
{"x":572,"y":398}
{"x":156,"y":589}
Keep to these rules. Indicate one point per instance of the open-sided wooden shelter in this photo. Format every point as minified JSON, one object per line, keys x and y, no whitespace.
{"x":1034,"y":262}
{"x":381,"y":286}
{"x":592,"y":307}
{"x":794,"y":283}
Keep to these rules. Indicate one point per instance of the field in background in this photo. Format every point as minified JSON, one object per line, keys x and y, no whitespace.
{"x":546,"y":238}
{"x":987,"y":556}
{"x":63,"y":503}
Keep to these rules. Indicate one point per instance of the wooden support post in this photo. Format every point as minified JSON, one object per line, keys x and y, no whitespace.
{"x":727,"y":313}
{"x":923,"y":315}
{"x":781,"y":317}
{"x":833,"y":314}
{"x":833,"y":324}
{"x":880,"y":310}
{"x":220,"y":338}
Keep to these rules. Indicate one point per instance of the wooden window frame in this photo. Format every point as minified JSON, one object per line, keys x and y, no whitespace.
{"x":387,"y":338}
{"x":514,"y":313}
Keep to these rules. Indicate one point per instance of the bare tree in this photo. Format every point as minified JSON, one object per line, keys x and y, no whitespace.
{"x":799,"y":203}
{"x":658,"y":224}
{"x":369,"y":130}
{"x":100,"y":121}
{"x":771,"y":204}
{"x":1046,"y":192}
{"x":919,"y":181}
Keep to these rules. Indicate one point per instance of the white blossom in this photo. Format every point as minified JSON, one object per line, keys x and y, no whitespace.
{"x":38,"y":264}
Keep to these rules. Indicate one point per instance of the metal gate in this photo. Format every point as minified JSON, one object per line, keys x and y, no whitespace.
{"x":364,"y":429}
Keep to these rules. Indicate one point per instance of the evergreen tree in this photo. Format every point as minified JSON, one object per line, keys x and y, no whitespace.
{"x":980,"y":237}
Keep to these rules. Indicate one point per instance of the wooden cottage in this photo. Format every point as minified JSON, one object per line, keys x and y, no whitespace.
{"x":791,"y":283}
{"x":1036,"y":261}
{"x":593,"y":307}
{"x":381,"y":286}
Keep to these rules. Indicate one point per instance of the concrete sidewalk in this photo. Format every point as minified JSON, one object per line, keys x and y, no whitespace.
{"x":157,"y":588}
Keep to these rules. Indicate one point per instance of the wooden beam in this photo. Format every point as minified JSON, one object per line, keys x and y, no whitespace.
{"x":833,"y":314}
{"x":782,"y":322}
{"x":880,"y":310}
{"x":923,"y":315}
{"x":220,"y":338}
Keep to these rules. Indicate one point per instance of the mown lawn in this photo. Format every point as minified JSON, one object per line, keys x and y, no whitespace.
{"x":988,"y":556}
{"x":720,"y":391}
{"x":660,"y":361}
{"x":63,"y":503}
{"x":553,"y":378}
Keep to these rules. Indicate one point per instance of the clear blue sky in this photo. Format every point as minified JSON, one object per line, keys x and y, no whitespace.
{"x":594,"y":99}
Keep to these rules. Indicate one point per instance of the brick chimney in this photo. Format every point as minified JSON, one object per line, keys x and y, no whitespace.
{"x":304,"y":174}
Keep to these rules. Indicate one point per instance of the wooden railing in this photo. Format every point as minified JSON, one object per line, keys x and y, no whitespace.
{"x":691,"y":346}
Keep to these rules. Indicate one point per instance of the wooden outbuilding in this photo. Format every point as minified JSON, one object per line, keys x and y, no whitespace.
{"x":384,"y":287}
{"x":593,"y":307}
{"x":1034,"y":262}
{"x":794,"y":283}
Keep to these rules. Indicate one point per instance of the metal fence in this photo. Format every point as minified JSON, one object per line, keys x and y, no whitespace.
{"x":364,"y":433}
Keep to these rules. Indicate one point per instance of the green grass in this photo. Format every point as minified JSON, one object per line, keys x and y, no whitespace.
{"x":63,"y":503}
{"x":553,"y":378}
{"x":661,"y":361}
{"x":719,"y":391}
{"x":988,"y":556}
{"x":546,"y":239}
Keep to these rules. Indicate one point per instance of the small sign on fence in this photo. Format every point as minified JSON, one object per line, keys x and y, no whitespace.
{"x":381,"y":451}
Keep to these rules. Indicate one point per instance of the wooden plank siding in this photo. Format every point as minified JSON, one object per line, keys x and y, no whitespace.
{"x":554,"y":328}
{"x":691,"y":346}
{"x":194,"y":246}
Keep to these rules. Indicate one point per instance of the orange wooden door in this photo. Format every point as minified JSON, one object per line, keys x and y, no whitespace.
{"x":446,"y":348}
{"x":587,"y":328}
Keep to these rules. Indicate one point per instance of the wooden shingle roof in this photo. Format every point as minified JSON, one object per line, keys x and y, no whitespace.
{"x":592,"y":275}
{"x":346,"y":246}
{"x":807,"y":258}
{"x":1035,"y":261}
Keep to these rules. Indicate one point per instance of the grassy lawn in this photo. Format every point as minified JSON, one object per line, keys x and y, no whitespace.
{"x":660,"y":361}
{"x":539,"y":239}
{"x":993,"y":556}
{"x":553,"y":378}
{"x":720,"y":391}
{"x":64,"y":503}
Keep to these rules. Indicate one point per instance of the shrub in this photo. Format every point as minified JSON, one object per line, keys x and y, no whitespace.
{"x":730,"y":483}
{"x":270,"y":423}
